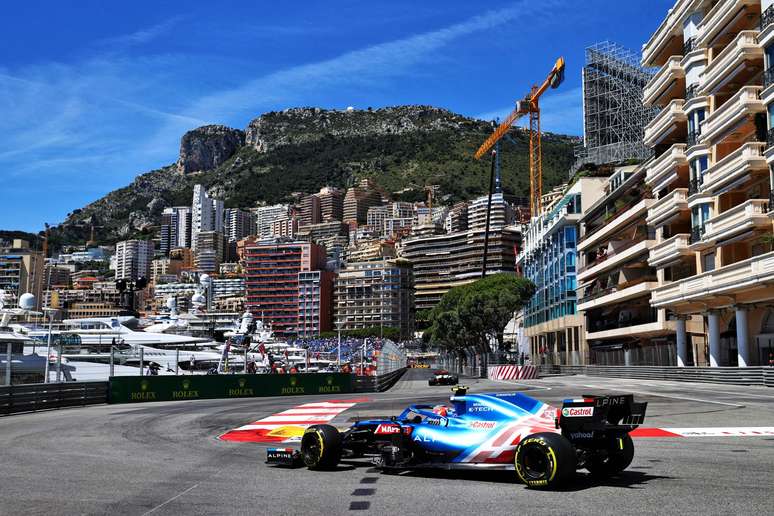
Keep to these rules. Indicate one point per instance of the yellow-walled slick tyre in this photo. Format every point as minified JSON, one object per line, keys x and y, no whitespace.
{"x":617,"y":457}
{"x":545,"y":460}
{"x":321,"y":447}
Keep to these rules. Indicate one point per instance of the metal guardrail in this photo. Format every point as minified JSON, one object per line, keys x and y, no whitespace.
{"x":43,"y":396}
{"x":378,"y":383}
{"x":762,"y":375}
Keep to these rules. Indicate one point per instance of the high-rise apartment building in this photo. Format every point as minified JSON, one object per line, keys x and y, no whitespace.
{"x":310,"y":211}
{"x":712,"y":177}
{"x":549,"y":259}
{"x":376,"y":216}
{"x":175,"y":228}
{"x":334,"y":236}
{"x":359,"y":198}
{"x":273,"y":275}
{"x":238,"y":224}
{"x":21,"y":270}
{"x":265,"y":216}
{"x":315,"y":307}
{"x":501,"y":213}
{"x":375,"y":294}
{"x":443,"y":261}
{"x":457,"y":219}
{"x":207,"y":214}
{"x":133,"y":259}
{"x":615,"y":279}
{"x":286,"y":227}
{"x":209,"y":251}
{"x":331,"y":204}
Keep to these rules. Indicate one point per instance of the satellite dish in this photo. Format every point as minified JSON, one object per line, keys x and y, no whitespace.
{"x":171,"y":303}
{"x":198,"y":299}
{"x":27,"y":301}
{"x":205,"y":280}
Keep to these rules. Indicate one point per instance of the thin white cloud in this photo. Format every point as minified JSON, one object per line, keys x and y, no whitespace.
{"x":371,"y":65}
{"x":142,"y":36}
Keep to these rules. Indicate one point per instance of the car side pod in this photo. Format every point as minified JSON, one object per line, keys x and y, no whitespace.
{"x":287,"y":457}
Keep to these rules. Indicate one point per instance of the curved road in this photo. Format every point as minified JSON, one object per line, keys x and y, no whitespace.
{"x":165,"y":458}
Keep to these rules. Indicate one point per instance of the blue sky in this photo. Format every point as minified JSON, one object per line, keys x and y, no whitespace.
{"x":93,"y":93}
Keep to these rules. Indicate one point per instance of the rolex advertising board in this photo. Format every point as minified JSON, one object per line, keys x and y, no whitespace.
{"x":133,"y":389}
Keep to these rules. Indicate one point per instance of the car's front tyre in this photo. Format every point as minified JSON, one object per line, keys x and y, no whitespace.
{"x":545,"y":460}
{"x":321,"y":447}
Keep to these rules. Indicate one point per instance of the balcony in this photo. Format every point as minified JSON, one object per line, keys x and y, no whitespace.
{"x":742,"y":58}
{"x":618,"y":222}
{"x":668,"y":38}
{"x":666,"y":123}
{"x":670,"y":250}
{"x":668,"y":207}
{"x":640,"y":327}
{"x":736,"y":279}
{"x":663,"y":170}
{"x":616,"y":295}
{"x":622,"y":255}
{"x":736,"y":110}
{"x":736,"y":223}
{"x":726,"y":17}
{"x":668,"y":83}
{"x":735,"y":169}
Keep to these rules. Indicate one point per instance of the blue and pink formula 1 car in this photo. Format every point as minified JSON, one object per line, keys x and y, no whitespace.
{"x":545,"y":445}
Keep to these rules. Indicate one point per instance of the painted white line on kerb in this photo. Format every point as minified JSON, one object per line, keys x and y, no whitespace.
{"x":684,"y":398}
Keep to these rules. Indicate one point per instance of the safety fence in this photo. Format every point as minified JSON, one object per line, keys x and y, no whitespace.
{"x":379,"y":383}
{"x":32,"y":397}
{"x":512,"y":372}
{"x":729,"y":375}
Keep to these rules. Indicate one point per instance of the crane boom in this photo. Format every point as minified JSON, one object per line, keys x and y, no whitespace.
{"x":523,"y":107}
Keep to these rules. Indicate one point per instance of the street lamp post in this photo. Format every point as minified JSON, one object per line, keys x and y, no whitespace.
{"x":48,"y":346}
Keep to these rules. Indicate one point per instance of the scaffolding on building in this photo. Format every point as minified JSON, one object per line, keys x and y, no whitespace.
{"x":614,"y":117}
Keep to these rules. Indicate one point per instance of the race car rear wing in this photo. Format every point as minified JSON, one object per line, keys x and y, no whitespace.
{"x":590,"y":413}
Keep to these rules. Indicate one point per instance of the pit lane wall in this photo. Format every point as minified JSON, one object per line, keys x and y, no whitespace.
{"x":138,"y":389}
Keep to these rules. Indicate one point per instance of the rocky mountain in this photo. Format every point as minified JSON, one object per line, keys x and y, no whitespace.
{"x":282,"y":155}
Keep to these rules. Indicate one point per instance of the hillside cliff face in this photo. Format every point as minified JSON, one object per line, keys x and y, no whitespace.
{"x":208,"y":147}
{"x":283,"y":154}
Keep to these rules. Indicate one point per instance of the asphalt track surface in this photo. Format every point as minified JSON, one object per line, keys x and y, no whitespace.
{"x":165,"y":458}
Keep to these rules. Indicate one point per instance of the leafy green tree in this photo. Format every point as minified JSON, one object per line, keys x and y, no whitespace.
{"x":471,"y":316}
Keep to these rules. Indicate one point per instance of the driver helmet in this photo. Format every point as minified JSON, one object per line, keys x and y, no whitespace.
{"x":441,"y":410}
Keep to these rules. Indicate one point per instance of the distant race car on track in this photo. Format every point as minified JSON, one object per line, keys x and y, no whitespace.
{"x":443,"y":377}
{"x":545,"y":445}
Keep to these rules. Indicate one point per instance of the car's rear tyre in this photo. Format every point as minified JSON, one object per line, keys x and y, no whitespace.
{"x":545,"y":460}
{"x":321,"y":447}
{"x":617,"y":457}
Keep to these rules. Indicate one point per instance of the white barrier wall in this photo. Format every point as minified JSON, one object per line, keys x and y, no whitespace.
{"x":512,"y":372}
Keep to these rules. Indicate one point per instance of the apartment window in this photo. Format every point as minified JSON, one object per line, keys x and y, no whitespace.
{"x":569,"y":236}
{"x":695,"y":118}
{"x":708,"y":262}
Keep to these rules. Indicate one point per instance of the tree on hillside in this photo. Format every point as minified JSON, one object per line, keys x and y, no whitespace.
{"x":470,"y":317}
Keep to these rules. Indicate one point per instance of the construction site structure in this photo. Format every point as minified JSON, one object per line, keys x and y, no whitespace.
{"x":527,"y":106}
{"x":614,"y":117}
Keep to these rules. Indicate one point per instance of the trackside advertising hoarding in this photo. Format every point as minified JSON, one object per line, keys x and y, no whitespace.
{"x":134,"y":389}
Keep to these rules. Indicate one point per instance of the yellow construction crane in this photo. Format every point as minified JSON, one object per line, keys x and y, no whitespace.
{"x":529,"y":105}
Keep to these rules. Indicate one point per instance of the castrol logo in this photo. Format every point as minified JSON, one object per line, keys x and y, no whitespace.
{"x":577,"y":411}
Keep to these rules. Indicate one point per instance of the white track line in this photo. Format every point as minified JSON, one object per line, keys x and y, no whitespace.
{"x":159,"y":506}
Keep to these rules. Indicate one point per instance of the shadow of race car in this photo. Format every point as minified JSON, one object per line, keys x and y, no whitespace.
{"x":543,"y":444}
{"x":443,"y":377}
